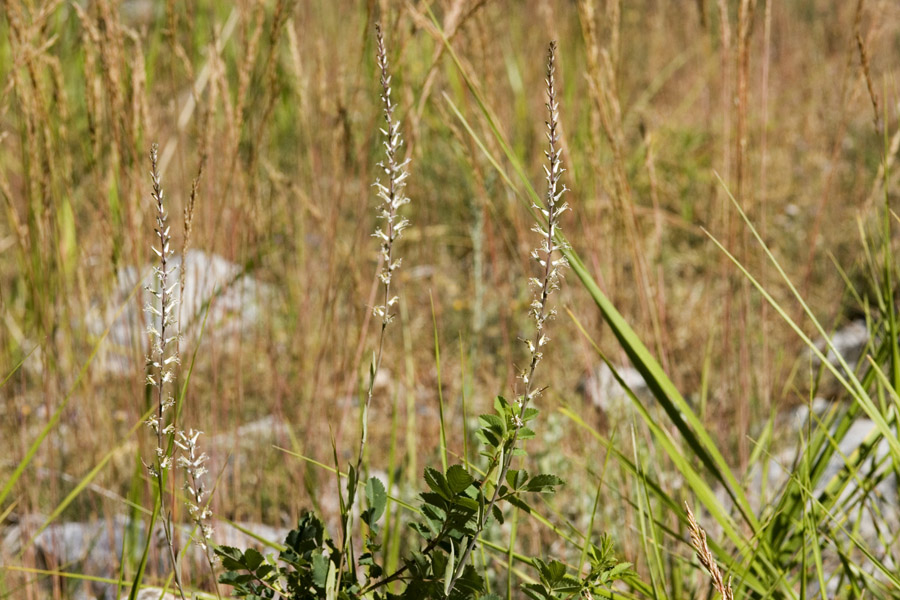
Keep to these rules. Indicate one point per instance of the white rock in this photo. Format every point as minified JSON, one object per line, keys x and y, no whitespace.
{"x":849,"y":342}
{"x":234,"y":300}
{"x":603,"y":390}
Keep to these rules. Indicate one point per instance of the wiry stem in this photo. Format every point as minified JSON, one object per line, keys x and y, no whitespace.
{"x":552,"y":211}
{"x":392,"y":197}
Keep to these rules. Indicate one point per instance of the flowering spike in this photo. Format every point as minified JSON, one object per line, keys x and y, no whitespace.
{"x":161,"y":317}
{"x":390,"y":194}
{"x":548,"y":230}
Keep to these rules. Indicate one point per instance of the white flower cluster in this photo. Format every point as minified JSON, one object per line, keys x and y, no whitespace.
{"x":162,"y":328}
{"x":392,"y":195}
{"x":549,"y":229}
{"x":194,"y":464}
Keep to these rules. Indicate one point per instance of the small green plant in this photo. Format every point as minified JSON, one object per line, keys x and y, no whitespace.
{"x":461,"y":500}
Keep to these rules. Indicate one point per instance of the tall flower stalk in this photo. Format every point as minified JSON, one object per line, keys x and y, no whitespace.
{"x":162,"y":328}
{"x":551,"y":264}
{"x":544,"y":255}
{"x":162,"y":359}
{"x":392,"y":197}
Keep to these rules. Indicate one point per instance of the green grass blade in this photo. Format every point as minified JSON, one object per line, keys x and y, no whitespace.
{"x":440,"y":391}
{"x":142,"y":565}
{"x":17,"y":366}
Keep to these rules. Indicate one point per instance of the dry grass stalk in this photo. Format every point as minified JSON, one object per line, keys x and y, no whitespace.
{"x":454,"y":20}
{"x":746,"y":9}
{"x":245,"y":71}
{"x":604,"y":90}
{"x":864,"y":61}
{"x":270,"y":76}
{"x":765,"y":387}
{"x":188,"y":230}
{"x":706,"y":558}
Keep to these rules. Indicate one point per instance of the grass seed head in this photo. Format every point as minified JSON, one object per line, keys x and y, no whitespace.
{"x":706,"y":558}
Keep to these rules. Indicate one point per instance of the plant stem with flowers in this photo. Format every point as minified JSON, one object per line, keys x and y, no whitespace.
{"x":163,"y":358}
{"x":546,"y":285}
{"x":392,"y":197}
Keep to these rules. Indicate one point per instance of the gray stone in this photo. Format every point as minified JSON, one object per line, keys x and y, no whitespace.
{"x":601,"y":388}
{"x":233,"y":298}
{"x":848,"y":342}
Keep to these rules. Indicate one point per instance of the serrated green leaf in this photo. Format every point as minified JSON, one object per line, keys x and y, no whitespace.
{"x":438,"y":564}
{"x":488,"y":439}
{"x":467,"y":503}
{"x":458,"y":479}
{"x":543,"y":482}
{"x":493,"y":423}
{"x":526,"y":433}
{"x":438,"y":483}
{"x":534,"y":591}
{"x":252,"y":559}
{"x":469,"y":583}
{"x":516,"y":478}
{"x":264,"y":571}
{"x":320,"y":566}
{"x":435,"y":514}
{"x":619,"y":569}
{"x":230,"y":557}
{"x":376,"y":496}
{"x":554,"y":572}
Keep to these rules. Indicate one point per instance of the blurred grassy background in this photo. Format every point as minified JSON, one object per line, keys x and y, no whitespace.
{"x":279,"y":103}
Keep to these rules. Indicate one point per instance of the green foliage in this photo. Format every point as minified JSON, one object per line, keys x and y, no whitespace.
{"x":304,"y":569}
{"x":557,"y":582}
{"x":454,"y":509}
